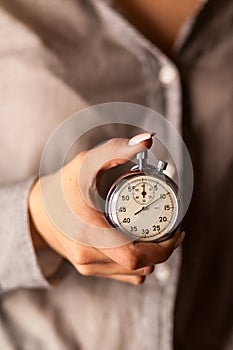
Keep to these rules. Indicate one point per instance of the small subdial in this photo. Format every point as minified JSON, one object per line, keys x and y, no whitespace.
{"x":143,"y":193}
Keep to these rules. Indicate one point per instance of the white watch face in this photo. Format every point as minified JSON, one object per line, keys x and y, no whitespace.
{"x":145,"y":207}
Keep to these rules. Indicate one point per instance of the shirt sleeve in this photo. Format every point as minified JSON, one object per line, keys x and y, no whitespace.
{"x":19,"y":264}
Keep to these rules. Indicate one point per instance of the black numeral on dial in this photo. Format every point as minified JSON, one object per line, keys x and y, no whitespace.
{"x":162,"y":219}
{"x":122,"y":209}
{"x":145,"y":231}
{"x":126,"y":220}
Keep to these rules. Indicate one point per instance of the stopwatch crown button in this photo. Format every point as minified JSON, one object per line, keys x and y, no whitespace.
{"x":161,"y":165}
{"x":142,"y":160}
{"x":142,"y":155}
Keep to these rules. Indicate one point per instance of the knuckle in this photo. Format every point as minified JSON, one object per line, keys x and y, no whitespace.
{"x":80,"y":157}
{"x":132,"y":261}
{"x":84,"y":270}
{"x":147,"y":270}
{"x":113,"y":143}
{"x":80,"y":257}
{"x":138,"y":280}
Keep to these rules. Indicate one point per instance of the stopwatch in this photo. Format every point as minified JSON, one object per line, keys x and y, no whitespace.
{"x":144,"y":203}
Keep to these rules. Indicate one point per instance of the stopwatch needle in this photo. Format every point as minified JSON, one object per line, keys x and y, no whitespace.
{"x":137,"y":212}
{"x":147,"y":206}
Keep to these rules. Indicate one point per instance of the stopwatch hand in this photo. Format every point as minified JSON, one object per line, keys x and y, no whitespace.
{"x":137,"y":212}
{"x":147,"y":206}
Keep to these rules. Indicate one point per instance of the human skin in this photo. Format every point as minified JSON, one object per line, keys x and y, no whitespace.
{"x":131,"y":262}
{"x":159,"y":20}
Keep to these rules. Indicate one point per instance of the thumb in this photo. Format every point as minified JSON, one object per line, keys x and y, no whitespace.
{"x":108,"y":155}
{"x":117,"y":151}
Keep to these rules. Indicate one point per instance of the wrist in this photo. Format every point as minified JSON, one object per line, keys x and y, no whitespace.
{"x":38,"y":242}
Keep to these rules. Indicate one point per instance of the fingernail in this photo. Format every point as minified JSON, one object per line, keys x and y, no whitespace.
{"x":140,"y":138}
{"x":179,"y":240}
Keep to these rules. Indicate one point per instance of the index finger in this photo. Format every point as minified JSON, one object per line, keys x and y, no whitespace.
{"x":139,"y":254}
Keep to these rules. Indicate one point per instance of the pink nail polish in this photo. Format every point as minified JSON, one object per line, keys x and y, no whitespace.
{"x":140,"y":138}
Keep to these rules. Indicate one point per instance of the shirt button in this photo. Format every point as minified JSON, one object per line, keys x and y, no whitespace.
{"x":167,"y":75}
{"x":162,"y":273}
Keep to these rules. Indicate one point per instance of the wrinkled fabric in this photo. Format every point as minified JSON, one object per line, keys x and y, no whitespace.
{"x":56,"y":58}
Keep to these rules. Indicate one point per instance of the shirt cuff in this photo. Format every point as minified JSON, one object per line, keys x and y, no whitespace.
{"x":19,"y":264}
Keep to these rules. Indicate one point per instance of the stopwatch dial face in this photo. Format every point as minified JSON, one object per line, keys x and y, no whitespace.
{"x":145,"y":207}
{"x":143,"y":192}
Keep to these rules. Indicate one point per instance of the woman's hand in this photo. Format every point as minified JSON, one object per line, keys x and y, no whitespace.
{"x":128,"y":263}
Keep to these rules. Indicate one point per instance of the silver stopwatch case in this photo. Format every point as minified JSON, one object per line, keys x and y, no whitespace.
{"x":144,"y":203}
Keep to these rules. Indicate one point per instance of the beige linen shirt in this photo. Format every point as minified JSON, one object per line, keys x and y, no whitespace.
{"x":57,"y":57}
